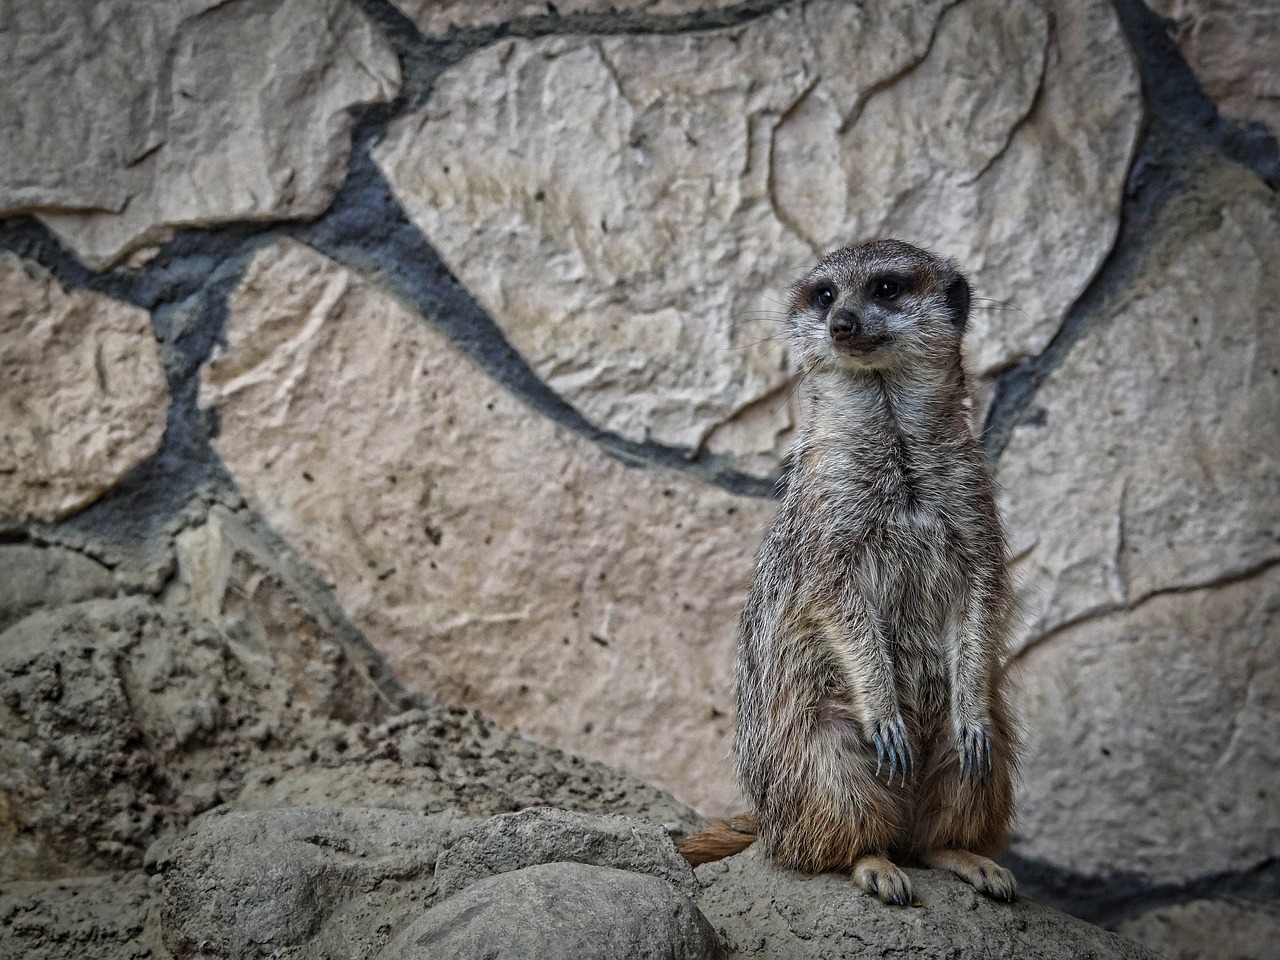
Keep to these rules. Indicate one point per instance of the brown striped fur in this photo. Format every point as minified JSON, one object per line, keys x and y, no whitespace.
{"x":873,"y":721}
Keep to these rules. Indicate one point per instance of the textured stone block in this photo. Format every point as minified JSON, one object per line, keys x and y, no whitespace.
{"x":120,"y":120}
{"x":1157,"y":465}
{"x":83,"y":396}
{"x":497,"y":560}
{"x":630,"y":209}
{"x":1150,"y":743}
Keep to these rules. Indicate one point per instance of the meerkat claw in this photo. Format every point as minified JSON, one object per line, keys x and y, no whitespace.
{"x":975,"y":752}
{"x":891,"y":744}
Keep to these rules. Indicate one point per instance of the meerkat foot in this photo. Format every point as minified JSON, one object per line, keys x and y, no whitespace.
{"x":884,"y":879}
{"x":985,"y":875}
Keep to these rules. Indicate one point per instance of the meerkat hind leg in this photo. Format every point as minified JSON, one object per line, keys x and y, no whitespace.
{"x":984,"y":874}
{"x":882,"y":878}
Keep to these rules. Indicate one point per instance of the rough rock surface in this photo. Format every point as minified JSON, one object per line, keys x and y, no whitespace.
{"x":1234,"y":48}
{"x":1151,"y":737}
{"x":36,"y":577}
{"x":711,"y":168}
{"x":107,"y":917}
{"x":761,"y":911}
{"x":119,"y":120}
{"x":568,"y":910}
{"x":1226,"y":929}
{"x":117,"y":721}
{"x":546,"y":835}
{"x":247,"y":884}
{"x":1160,"y":445}
{"x":83,"y":395}
{"x":496,"y":560}
{"x":435,"y":760}
{"x":234,"y":578}
{"x":120,"y":720}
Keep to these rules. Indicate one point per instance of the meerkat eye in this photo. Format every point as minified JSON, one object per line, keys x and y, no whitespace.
{"x":824,"y":297}
{"x":885,"y":288}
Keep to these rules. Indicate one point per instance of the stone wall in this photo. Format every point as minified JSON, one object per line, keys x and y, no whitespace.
{"x":462,"y":320}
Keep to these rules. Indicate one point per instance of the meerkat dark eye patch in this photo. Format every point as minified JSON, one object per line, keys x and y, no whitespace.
{"x":886,"y":288}
{"x":823,"y":296}
{"x":957,"y":296}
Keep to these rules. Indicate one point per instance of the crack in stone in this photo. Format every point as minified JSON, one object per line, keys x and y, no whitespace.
{"x":1106,"y":610}
{"x":1032,"y":105}
{"x":1119,"y":567}
{"x":771,"y":180}
{"x":866,"y":96}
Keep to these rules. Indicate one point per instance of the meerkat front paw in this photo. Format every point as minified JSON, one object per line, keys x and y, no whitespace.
{"x":884,"y":879}
{"x":892,"y":745}
{"x":995,"y":881}
{"x":973,"y":743}
{"x":987,"y":876}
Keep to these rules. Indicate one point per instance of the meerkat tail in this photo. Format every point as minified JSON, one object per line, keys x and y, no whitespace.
{"x":722,"y":839}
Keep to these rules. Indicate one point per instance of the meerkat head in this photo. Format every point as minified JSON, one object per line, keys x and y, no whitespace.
{"x":877,"y":306}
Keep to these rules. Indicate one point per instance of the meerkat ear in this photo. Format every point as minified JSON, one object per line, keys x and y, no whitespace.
{"x":957,"y":295}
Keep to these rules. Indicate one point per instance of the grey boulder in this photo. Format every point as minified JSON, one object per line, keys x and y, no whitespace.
{"x":561,"y":910}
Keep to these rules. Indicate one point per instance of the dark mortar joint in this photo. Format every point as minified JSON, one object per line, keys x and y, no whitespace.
{"x":1110,"y":900}
{"x":1173,"y":95}
{"x":1181,"y":127}
{"x":367,"y":230}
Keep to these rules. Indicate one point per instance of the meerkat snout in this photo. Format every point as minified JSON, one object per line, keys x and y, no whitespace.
{"x":853,"y":335}
{"x":844,"y":324}
{"x":845,"y":327}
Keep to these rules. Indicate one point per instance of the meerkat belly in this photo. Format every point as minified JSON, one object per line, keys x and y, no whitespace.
{"x":915,"y":588}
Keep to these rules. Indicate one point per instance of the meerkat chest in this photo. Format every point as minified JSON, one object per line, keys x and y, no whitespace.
{"x":902,"y":541}
{"x":907,"y":567}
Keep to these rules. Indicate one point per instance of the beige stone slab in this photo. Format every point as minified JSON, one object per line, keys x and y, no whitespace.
{"x":497,"y":560}
{"x":1151,"y":740}
{"x":83,"y":396}
{"x":631,"y":209}
{"x":1234,"y":48}
{"x":1158,"y":462}
{"x":120,"y":120}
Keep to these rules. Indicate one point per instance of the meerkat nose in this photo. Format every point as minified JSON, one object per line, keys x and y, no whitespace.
{"x":844,"y":324}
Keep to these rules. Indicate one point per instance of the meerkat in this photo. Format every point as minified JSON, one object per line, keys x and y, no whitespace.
{"x":873,"y":720}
